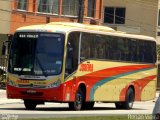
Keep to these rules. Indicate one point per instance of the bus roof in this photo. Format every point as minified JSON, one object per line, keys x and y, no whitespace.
{"x":64,"y":27}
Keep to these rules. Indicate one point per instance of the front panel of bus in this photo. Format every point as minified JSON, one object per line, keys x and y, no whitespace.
{"x":35,"y":66}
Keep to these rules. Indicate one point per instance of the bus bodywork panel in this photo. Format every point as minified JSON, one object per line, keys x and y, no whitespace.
{"x":109,"y":81}
{"x":104,"y":83}
{"x":52,"y":94}
{"x":34,"y":89}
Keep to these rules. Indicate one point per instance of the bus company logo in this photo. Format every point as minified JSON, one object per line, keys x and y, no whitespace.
{"x":86,"y":67}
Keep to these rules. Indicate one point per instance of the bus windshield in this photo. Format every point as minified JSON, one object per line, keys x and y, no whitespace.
{"x":36,"y":54}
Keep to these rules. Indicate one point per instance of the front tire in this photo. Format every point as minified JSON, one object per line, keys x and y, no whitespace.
{"x":79,"y":101}
{"x":30,"y":104}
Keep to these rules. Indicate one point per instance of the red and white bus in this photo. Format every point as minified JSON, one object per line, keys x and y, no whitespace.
{"x":80,"y":64}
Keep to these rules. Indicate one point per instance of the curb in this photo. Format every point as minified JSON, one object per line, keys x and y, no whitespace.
{"x":9,"y":101}
{"x":5,"y":100}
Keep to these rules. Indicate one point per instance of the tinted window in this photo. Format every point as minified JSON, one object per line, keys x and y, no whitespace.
{"x":133,"y":49}
{"x":120,"y":15}
{"x":114,"y":15}
{"x":109,"y":15}
{"x":117,"y":48}
{"x":36,"y":54}
{"x":72,"y":52}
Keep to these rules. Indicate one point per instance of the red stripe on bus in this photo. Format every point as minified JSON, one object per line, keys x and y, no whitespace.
{"x":139,"y":85}
{"x":92,"y":78}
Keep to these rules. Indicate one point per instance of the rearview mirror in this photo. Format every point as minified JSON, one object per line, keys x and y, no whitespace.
{"x":3,"y":49}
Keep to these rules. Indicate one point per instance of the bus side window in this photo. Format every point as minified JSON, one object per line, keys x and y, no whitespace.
{"x":69,"y":58}
{"x":72,"y":53}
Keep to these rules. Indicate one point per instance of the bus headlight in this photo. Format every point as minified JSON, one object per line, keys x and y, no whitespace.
{"x":55,"y":84}
{"x":12,"y":83}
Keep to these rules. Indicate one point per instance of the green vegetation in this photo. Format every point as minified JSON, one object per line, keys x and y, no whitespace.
{"x":86,"y":118}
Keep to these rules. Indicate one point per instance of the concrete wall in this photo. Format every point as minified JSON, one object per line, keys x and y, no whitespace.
{"x":141,"y":15}
{"x":5,"y":16}
{"x":158,"y":28}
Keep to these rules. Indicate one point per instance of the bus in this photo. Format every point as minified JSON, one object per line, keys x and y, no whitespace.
{"x":80,"y":64}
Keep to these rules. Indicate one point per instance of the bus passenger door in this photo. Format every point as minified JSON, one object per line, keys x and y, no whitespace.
{"x":72,"y":53}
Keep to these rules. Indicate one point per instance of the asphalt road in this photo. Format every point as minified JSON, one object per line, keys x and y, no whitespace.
{"x":18,"y":110}
{"x":12,"y":108}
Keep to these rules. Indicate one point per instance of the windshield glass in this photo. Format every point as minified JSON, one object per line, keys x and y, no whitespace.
{"x":36,"y":54}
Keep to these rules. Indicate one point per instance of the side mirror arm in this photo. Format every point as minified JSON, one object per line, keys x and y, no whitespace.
{"x":3,"y":49}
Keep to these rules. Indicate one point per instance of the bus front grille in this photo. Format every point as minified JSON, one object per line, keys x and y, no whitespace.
{"x":37,"y":94}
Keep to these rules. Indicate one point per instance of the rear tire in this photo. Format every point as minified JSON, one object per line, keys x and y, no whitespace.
{"x":79,"y":101}
{"x":129,"y":100}
{"x":30,"y":104}
{"x":130,"y":97}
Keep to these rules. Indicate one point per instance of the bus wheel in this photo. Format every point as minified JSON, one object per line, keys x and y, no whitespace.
{"x":30,"y":105}
{"x":130,"y":96}
{"x":88,"y":105}
{"x":79,"y":101}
